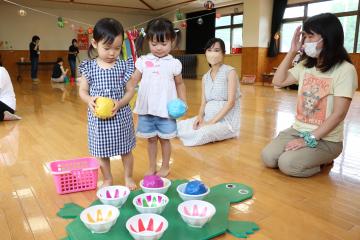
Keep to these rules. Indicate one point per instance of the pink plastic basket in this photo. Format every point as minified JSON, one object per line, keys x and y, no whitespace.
{"x":75,"y":175}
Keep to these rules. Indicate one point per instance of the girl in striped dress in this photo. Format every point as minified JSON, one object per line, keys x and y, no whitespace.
{"x":107,"y":76}
{"x":219,"y":113}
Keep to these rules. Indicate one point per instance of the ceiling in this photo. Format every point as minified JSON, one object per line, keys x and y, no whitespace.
{"x":129,"y":6}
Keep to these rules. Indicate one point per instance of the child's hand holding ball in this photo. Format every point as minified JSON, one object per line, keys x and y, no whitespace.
{"x":101,"y":107}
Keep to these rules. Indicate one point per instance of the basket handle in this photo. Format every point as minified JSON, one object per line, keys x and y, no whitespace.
{"x":84,"y":169}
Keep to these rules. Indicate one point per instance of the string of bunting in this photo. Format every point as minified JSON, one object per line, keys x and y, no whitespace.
{"x":132,"y":40}
{"x":43,"y":12}
{"x":61,"y":21}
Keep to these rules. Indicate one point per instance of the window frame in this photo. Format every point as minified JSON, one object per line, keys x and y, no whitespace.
{"x":232,"y":26}
{"x":340,"y":14}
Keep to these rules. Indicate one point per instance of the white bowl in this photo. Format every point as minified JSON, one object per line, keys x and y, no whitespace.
{"x":196,"y":213}
{"x":99,"y":218}
{"x":146,"y":226}
{"x":150,"y":202}
{"x":181,"y":188}
{"x":113,"y":195}
{"x":163,"y":190}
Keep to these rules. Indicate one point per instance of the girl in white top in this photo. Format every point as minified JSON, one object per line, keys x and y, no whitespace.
{"x":7,"y":97}
{"x":161,"y":82}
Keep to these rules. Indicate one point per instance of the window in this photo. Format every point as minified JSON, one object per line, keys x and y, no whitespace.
{"x":293,"y":12}
{"x":333,"y":6}
{"x":347,"y":12}
{"x":349,"y":26}
{"x":286,"y":34}
{"x":229,"y":29}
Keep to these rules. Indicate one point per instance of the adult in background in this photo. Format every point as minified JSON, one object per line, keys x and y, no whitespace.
{"x":72,"y":55}
{"x":34,"y":57}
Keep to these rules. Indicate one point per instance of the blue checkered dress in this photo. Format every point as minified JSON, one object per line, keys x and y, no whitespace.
{"x":114,"y":136}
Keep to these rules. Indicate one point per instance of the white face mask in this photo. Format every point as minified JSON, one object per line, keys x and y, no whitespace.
{"x":311,"y":50}
{"x":213,"y":57}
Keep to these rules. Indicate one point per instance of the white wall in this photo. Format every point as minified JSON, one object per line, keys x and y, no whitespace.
{"x":265,"y":22}
{"x":257,"y":23}
{"x":18,"y":31}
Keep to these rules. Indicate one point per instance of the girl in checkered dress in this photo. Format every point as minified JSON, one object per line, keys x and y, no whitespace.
{"x":107,"y":76}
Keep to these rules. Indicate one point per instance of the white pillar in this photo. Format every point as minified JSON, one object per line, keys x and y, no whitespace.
{"x":257,"y":23}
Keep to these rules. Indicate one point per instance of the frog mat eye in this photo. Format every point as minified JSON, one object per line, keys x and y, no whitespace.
{"x":230,"y":186}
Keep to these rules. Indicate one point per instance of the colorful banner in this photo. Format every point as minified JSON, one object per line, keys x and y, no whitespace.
{"x":83,"y":41}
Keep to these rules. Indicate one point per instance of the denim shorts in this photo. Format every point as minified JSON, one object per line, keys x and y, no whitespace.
{"x":151,"y":126}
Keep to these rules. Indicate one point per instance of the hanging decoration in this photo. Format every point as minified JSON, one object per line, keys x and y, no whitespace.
{"x":60,"y":22}
{"x":90,"y":30}
{"x":22,"y":12}
{"x":218,"y":15}
{"x":132,"y":45}
{"x":126,"y":49}
{"x":83,"y":41}
{"x":277,"y":36}
{"x":183,"y":24}
{"x":134,"y":34}
{"x":208,"y":5}
{"x":142,"y":32}
{"x":179,"y":15}
{"x":139,"y":42}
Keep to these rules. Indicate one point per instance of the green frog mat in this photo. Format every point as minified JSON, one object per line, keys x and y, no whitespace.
{"x":221,"y":196}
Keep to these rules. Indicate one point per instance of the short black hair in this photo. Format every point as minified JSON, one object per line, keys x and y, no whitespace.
{"x":73,"y":41}
{"x":106,"y":29}
{"x":211,"y":43}
{"x":332,"y":33}
{"x":35,"y":38}
{"x":161,"y":29}
{"x":59,"y":59}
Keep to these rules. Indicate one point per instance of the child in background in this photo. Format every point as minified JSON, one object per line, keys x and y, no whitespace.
{"x":107,"y":76}
{"x":59,"y":73}
{"x":161,"y":82}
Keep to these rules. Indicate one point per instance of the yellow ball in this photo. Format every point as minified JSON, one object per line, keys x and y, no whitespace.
{"x":104,"y":107}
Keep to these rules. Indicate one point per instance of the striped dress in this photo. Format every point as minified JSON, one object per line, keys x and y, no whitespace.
{"x":216,"y":96}
{"x":113,"y":136}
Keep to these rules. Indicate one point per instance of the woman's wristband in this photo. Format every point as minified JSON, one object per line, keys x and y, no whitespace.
{"x":309,"y":139}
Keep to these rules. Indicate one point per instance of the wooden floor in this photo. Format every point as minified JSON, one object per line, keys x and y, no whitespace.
{"x":326,"y":206}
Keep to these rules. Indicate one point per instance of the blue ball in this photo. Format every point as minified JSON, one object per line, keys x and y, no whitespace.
{"x":195,"y":187}
{"x":176,"y":108}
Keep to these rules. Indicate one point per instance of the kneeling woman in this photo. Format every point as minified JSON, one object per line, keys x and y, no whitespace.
{"x":327,"y":81}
